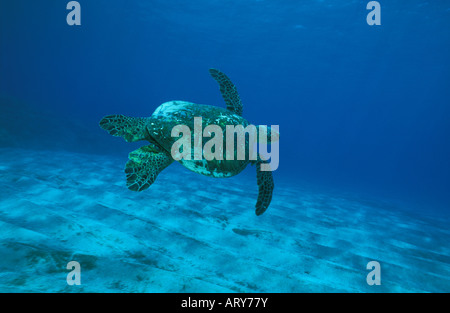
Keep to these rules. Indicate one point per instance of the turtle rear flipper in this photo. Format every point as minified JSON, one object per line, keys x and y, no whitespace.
{"x":265,"y":188}
{"x":130,"y":128}
{"x":144,"y":166}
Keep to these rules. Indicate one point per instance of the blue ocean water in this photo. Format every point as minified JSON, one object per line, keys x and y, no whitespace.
{"x":364,"y":149}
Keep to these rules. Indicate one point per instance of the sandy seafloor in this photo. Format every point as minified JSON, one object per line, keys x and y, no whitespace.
{"x":190,"y":233}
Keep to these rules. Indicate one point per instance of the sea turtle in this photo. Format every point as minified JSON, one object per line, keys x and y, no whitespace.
{"x":147,"y":162}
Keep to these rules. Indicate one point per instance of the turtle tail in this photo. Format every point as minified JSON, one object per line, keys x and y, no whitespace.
{"x":130,"y":128}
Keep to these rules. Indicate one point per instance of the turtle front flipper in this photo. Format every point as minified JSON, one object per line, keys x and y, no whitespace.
{"x":228,"y":90}
{"x":144,"y":166}
{"x":265,"y":188}
{"x":130,"y":128}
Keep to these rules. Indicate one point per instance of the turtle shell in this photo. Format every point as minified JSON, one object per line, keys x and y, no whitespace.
{"x":174,"y":113}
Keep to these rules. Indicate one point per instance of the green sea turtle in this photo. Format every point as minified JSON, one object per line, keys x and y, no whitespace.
{"x":147,"y":162}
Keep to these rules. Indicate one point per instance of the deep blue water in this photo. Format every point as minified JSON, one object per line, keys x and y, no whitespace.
{"x":361,"y":108}
{"x":358,"y":105}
